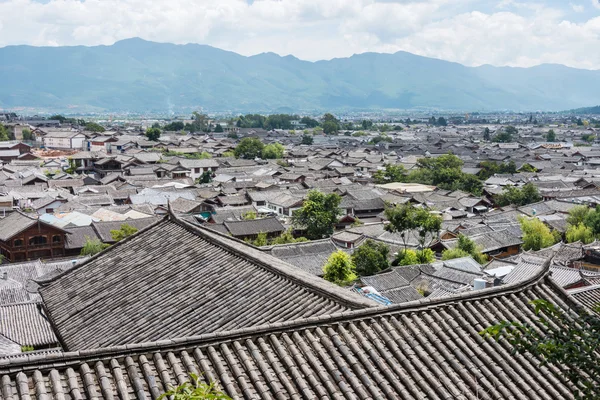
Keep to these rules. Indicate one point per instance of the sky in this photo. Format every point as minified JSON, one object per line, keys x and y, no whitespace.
{"x":471,"y":32}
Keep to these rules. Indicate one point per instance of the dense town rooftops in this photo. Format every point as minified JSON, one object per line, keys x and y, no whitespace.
{"x":173,"y":280}
{"x":424,"y":349}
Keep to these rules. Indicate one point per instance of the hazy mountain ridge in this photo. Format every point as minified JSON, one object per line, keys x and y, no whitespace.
{"x":138,"y":75}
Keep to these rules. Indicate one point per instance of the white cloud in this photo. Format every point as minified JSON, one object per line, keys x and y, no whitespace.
{"x":577,"y":7}
{"x":520,"y":33}
{"x":596,"y":3}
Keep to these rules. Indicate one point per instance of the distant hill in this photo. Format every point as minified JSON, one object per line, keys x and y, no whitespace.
{"x":586,"y":110}
{"x":138,"y":75}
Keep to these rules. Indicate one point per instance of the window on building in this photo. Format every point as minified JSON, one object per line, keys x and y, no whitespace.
{"x":18,"y":242}
{"x":38,"y":240}
{"x":56,"y":239}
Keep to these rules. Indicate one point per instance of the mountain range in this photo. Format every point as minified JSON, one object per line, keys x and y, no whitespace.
{"x":138,"y":75}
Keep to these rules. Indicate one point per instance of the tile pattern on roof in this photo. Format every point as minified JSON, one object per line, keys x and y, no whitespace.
{"x":415,"y":351}
{"x":173,"y":280}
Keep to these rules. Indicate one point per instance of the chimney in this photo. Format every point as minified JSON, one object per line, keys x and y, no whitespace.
{"x":479,"y":284}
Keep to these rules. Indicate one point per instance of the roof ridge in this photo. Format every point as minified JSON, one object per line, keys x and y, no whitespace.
{"x":47,"y":361}
{"x":286,"y":270}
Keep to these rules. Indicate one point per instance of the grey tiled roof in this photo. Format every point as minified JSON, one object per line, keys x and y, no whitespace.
{"x":589,"y":296}
{"x":310,"y":256}
{"x":23,"y":324}
{"x":254,"y":226}
{"x":14,"y":223}
{"x":427,"y":350}
{"x":174,"y":280}
{"x":103,"y":228}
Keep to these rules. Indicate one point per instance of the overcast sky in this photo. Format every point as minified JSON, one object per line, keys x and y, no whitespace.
{"x":471,"y":32}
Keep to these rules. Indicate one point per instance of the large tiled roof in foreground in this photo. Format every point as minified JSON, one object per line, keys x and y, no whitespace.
{"x":420,"y":350}
{"x":172,"y":280}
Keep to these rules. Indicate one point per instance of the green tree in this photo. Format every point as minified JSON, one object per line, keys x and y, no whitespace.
{"x":506,"y":135}
{"x":578,"y":214}
{"x":318,"y":214}
{"x":580,"y":233}
{"x":390,"y":173}
{"x":174,"y":126}
{"x":228,"y":154}
{"x":330,"y":127}
{"x":465,"y":247}
{"x":273,"y":151}
{"x":450,"y":254}
{"x":551,"y":136}
{"x":288,"y":237}
{"x":153,"y":134}
{"x":309,"y":122}
{"x":339,"y":268}
{"x":527,"y":194}
{"x":93,"y":127}
{"x":405,"y":218}
{"x":72,"y":167}
{"x":567,"y":340}
{"x":261,"y":240}
{"x":4,"y":136}
{"x":28,"y":135}
{"x":196,"y":390}
{"x":441,"y":121}
{"x":536,"y":235}
{"x":370,"y":258}
{"x":232,"y":135}
{"x":445,"y":172}
{"x":250,"y":215}
{"x":92,"y":246}
{"x":249,"y":148}
{"x":406,"y":257}
{"x":218,"y":128}
{"x":486,"y":134}
{"x":125,"y":231}
{"x":490,"y":168}
{"x":307,"y":139}
{"x":425,"y":256}
{"x":206,"y":177}
{"x":592,"y":220}
{"x":200,"y":123}
{"x":367,"y":124}
{"x":401,"y":219}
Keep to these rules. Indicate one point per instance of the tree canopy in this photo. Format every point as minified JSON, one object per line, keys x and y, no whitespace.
{"x":195,"y":390}
{"x":405,"y":218}
{"x":491,"y":168}
{"x":506,"y":134}
{"x":93,"y":127}
{"x":522,"y":196}
{"x":318,"y":214}
{"x":339,"y":268}
{"x":390,"y":173}
{"x":370,"y":258}
{"x":4,"y":136}
{"x":536,"y":234}
{"x":92,"y":246}
{"x":123,"y":232}
{"x":153,"y":134}
{"x":465,"y":247}
{"x":307,"y":139}
{"x":174,"y":126}
{"x":273,"y":151}
{"x":446,"y":173}
{"x":249,"y":148}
